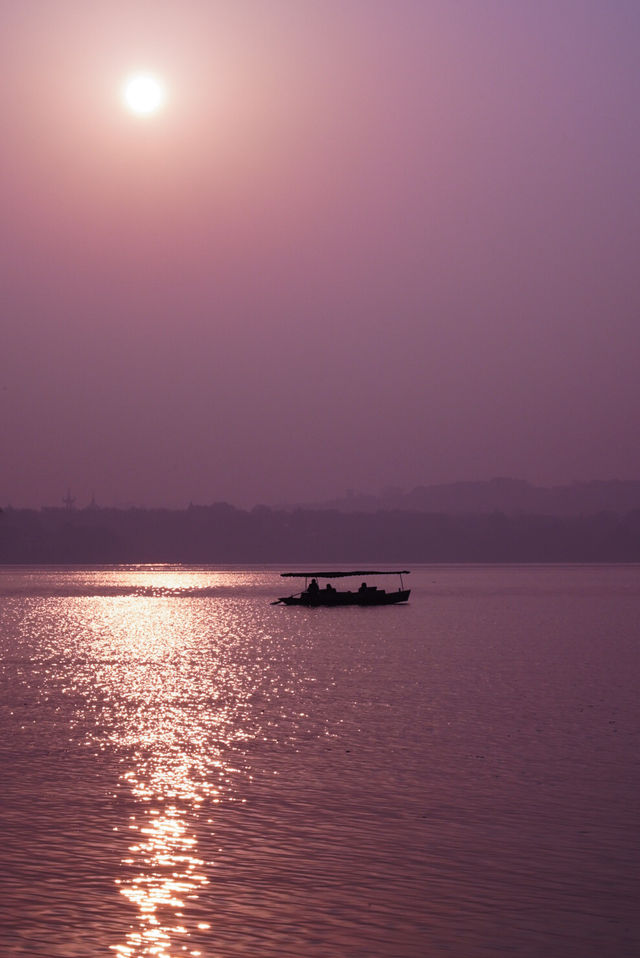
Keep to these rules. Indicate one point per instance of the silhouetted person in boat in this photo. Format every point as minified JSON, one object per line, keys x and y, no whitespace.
{"x":363,"y":587}
{"x":330,"y":587}
{"x":313,"y":587}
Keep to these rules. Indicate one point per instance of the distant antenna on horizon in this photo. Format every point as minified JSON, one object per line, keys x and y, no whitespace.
{"x":69,"y":500}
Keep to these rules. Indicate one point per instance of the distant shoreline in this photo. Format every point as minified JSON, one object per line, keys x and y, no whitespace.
{"x":221,"y":534}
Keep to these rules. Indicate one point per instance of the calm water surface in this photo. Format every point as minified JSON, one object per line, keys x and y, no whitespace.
{"x":189,"y":770}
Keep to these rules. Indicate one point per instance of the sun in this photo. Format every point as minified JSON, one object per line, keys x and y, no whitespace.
{"x":144,"y":94}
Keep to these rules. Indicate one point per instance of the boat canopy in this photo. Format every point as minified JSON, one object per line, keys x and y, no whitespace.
{"x":340,"y":575}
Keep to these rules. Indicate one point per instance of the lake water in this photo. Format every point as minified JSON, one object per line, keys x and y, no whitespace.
{"x":190,"y":770}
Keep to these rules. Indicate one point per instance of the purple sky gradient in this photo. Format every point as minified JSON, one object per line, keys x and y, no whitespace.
{"x":367,"y":243}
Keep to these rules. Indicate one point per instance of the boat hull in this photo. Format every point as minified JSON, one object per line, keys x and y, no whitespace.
{"x":330,"y":599}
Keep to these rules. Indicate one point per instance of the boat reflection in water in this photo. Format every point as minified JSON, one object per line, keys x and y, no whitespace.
{"x":313,"y":595}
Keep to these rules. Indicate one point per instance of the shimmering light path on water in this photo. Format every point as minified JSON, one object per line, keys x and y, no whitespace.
{"x":188,"y":770}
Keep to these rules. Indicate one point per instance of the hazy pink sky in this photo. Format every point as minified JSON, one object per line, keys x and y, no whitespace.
{"x":366,"y":243}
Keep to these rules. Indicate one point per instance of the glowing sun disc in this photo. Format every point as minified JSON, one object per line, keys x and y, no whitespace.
{"x":144,"y":94}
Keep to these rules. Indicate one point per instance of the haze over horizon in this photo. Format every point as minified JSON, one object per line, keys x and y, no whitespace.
{"x":363,"y":245}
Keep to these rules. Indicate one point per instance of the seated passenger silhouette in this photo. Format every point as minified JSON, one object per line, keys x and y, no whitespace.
{"x":363,"y":587}
{"x":314,"y":587}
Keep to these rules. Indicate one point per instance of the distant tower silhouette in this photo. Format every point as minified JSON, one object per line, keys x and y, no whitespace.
{"x":69,"y":500}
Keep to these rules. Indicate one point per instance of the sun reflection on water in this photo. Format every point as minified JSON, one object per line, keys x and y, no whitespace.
{"x":174,"y":686}
{"x":172,"y":726}
{"x":168,"y":874}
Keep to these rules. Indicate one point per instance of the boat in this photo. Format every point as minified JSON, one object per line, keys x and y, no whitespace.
{"x":313,"y":595}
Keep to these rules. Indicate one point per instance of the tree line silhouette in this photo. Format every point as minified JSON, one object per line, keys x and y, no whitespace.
{"x":221,"y":533}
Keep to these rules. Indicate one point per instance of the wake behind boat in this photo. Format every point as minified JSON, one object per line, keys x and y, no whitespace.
{"x":313,"y":595}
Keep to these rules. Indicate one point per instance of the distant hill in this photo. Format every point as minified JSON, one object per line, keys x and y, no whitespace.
{"x":513,"y":497}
